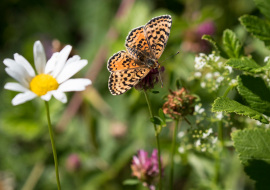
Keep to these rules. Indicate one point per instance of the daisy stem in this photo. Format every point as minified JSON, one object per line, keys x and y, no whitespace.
{"x":53,"y":145}
{"x":157,"y":139}
{"x":172,"y":152}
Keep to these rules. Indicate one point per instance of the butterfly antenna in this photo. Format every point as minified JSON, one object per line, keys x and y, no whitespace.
{"x":159,"y":70}
{"x":170,"y":57}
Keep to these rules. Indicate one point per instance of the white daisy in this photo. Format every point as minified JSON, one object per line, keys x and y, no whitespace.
{"x":51,"y":78}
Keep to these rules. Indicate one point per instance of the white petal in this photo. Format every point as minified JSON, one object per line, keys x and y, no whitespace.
{"x":74,"y":85}
{"x":23,"y":97}
{"x":17,"y":76}
{"x":40,"y":57}
{"x":15,"y":87}
{"x":73,"y":59}
{"x":50,"y":66}
{"x":21,"y":72}
{"x":47,"y":96}
{"x":10,"y":63}
{"x":61,"y":60}
{"x":70,"y":69}
{"x":13,"y":66}
{"x":22,"y":61}
{"x":60,"y":96}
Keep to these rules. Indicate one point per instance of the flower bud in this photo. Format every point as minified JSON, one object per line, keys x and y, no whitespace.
{"x":73,"y":163}
{"x":179,"y":104}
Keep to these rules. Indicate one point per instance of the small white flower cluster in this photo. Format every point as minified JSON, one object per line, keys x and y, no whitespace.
{"x":199,"y":109}
{"x":219,"y":115}
{"x":203,"y":60}
{"x":266,"y":59}
{"x":204,"y":140}
{"x":266,"y":75}
{"x":212,"y":71}
{"x":199,"y":113}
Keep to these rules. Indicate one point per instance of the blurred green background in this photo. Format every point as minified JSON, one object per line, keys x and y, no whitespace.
{"x":97,"y":133}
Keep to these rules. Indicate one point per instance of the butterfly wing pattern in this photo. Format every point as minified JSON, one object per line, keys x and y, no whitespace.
{"x":146,"y":42}
{"x":157,"y":31}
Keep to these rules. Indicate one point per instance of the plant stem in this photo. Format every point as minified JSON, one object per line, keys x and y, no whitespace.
{"x":157,"y":139}
{"x":217,"y":157}
{"x":53,"y":145}
{"x":220,"y":133}
{"x":34,"y":176}
{"x":228,"y":90}
{"x":172,"y":152}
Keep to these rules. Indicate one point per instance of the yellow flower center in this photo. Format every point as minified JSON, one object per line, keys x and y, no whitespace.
{"x":43,"y":83}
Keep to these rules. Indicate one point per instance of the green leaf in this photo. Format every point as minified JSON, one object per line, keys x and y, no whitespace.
{"x":228,"y":105}
{"x":264,"y":7}
{"x":264,"y":68}
{"x":232,"y":45}
{"x":244,"y":64}
{"x":253,"y":147}
{"x":156,"y":120}
{"x":217,"y":48}
{"x":255,"y":92}
{"x":161,"y":115}
{"x":257,"y":27}
{"x":131,"y":182}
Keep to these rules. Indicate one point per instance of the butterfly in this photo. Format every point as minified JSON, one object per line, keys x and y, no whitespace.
{"x":144,"y":46}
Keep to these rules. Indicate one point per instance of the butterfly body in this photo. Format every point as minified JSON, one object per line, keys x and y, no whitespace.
{"x":144,"y":46}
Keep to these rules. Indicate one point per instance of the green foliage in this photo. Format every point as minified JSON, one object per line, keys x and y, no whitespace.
{"x":255,"y":92}
{"x":253,"y":147}
{"x":217,"y":48}
{"x":232,"y":45}
{"x":244,"y":64}
{"x":264,"y":7}
{"x":257,"y":27}
{"x":131,"y":182}
{"x":156,"y":120}
{"x":228,"y":105}
{"x":251,"y":144}
{"x":212,"y":42}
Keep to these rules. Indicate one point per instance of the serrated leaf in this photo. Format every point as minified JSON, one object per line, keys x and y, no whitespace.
{"x":255,"y":92}
{"x":217,"y":48}
{"x":253,"y":147}
{"x":232,"y":45}
{"x":264,"y":7}
{"x":244,"y":64}
{"x":131,"y":182}
{"x":264,"y":68}
{"x":228,"y":105}
{"x":257,"y":27}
